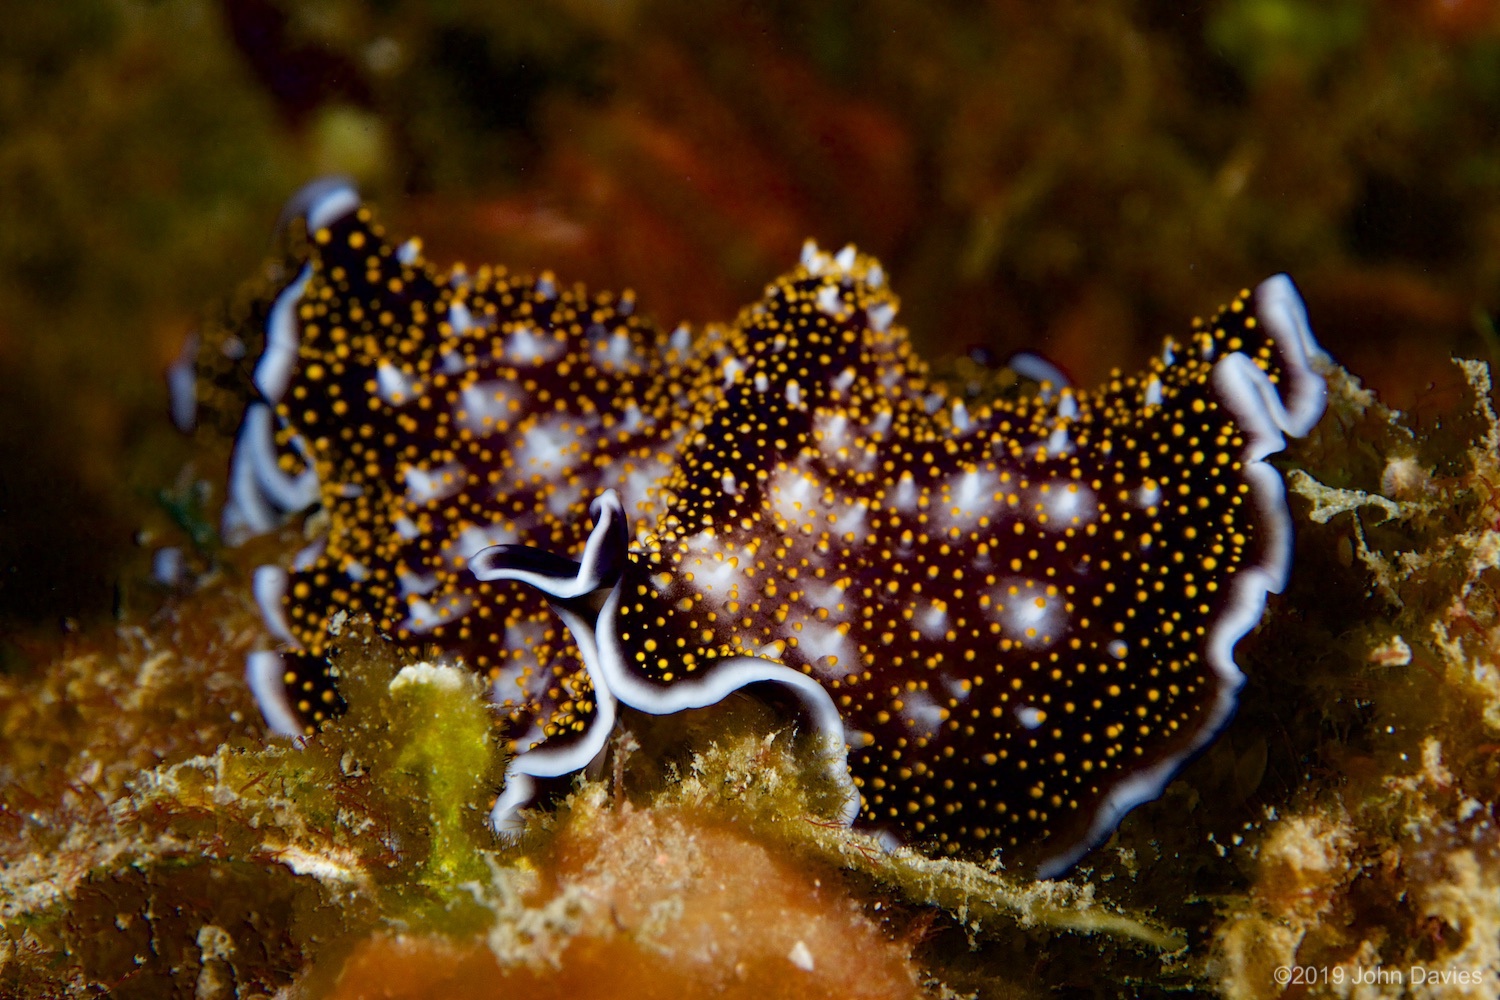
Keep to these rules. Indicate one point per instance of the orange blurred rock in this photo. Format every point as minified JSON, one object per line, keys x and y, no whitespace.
{"x":650,"y":903}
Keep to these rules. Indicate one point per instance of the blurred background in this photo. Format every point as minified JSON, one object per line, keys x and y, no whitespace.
{"x":1074,"y":178}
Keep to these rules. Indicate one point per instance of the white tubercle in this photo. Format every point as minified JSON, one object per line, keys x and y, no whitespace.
{"x":423,"y":486}
{"x":829,"y":301}
{"x":460,"y":319}
{"x":881,"y":316}
{"x":1153,"y":391}
{"x":961,"y":422}
{"x":393,"y":385}
{"x":1067,"y":405}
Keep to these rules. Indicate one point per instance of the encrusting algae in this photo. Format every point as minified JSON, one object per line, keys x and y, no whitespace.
{"x":1388,"y":879}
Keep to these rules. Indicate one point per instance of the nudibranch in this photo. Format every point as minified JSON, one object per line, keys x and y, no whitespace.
{"x":1009,"y":622}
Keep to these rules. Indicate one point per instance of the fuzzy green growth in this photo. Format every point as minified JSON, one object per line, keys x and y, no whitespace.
{"x":418,"y":743}
{"x":439,"y":722}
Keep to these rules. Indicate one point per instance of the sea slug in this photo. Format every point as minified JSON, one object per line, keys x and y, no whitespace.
{"x":1012,"y":622}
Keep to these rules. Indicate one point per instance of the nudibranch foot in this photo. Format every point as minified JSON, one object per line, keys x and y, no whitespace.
{"x":1009,"y":620}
